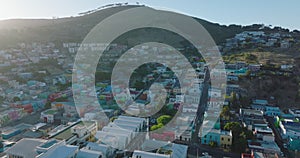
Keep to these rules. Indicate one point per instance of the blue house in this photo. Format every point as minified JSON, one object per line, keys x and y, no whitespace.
{"x":272,"y":111}
{"x":294,"y":144}
{"x":258,"y":107}
{"x":10,"y":133}
{"x":260,"y":102}
{"x":211,"y":136}
{"x":37,"y":105}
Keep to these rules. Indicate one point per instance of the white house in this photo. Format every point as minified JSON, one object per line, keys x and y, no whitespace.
{"x":25,"y":148}
{"x":62,"y":151}
{"x":144,"y":154}
{"x":48,"y":115}
{"x":106,"y":150}
{"x":116,"y":140}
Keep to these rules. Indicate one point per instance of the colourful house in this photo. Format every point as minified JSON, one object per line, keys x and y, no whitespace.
{"x":28,"y":108}
{"x":272,"y":111}
{"x":220,"y":137}
{"x":212,"y":136}
{"x":294,"y":144}
{"x":11,"y":115}
{"x":69,"y":107}
{"x":39,"y":104}
{"x":226,"y":139}
{"x":164,"y":136}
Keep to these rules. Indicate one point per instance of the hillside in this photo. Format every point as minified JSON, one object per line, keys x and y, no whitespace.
{"x":76,"y":28}
{"x":54,"y":30}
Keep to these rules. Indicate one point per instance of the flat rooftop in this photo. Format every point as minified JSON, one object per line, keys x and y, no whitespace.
{"x":48,"y":143}
{"x":67,"y":134}
{"x":61,"y":151}
{"x":25,"y":147}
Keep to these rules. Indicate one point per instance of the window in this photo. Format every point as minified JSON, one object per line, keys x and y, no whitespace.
{"x":222,"y":138}
{"x":229,"y":139}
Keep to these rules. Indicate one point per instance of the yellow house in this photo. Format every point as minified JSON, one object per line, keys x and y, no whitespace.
{"x":226,"y":139}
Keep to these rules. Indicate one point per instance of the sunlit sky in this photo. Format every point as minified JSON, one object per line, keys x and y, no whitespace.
{"x":283,"y":13}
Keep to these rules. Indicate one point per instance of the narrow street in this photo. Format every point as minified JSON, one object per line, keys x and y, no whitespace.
{"x":201,"y":108}
{"x":278,"y":138}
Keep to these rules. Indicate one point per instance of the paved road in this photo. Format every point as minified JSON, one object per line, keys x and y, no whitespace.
{"x":201,"y":108}
{"x":195,"y":147}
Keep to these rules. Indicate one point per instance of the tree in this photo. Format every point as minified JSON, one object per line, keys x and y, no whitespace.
{"x":250,"y":58}
{"x":164,"y":119}
{"x":244,"y":101}
{"x":248,"y":73}
{"x":92,"y":139}
{"x":234,"y":100}
{"x":165,"y":110}
{"x":117,"y":112}
{"x":62,"y":99}
{"x":169,"y":152}
{"x":48,"y":105}
{"x":248,"y":134}
{"x":139,"y":85}
{"x":102,"y":76}
{"x":1,"y":99}
{"x":20,"y":79}
{"x":212,"y":144}
{"x":15,"y":99}
{"x":240,"y":136}
{"x":155,"y":127}
{"x":63,"y":87}
{"x":161,"y":121}
{"x":225,"y":114}
{"x":239,"y":145}
{"x":112,"y":119}
{"x":235,"y":127}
